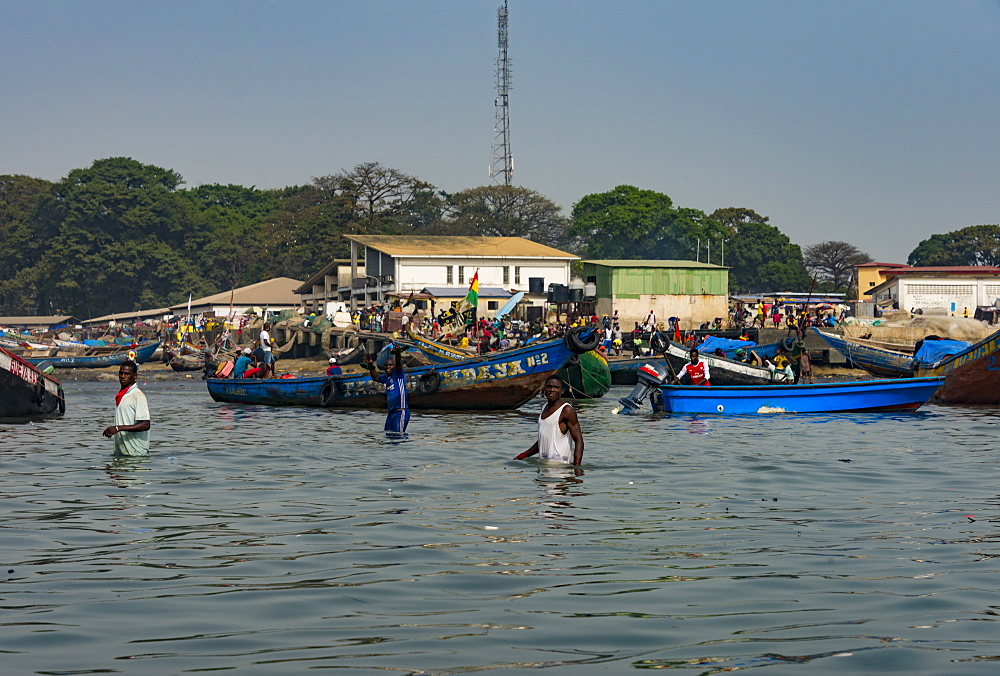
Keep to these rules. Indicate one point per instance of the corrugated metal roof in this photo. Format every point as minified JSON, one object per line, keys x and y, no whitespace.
{"x":462,"y":292}
{"x":458,"y":247}
{"x":277,"y":291}
{"x":656,"y":264}
{"x":945,"y":269}
{"x":50,"y":320}
{"x":129,"y":315}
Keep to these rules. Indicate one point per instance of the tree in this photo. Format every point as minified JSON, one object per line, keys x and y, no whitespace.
{"x":974,"y":245}
{"x":833,"y":262}
{"x":761,"y":258}
{"x":507,"y":211}
{"x":25,"y":230}
{"x":734,"y":218}
{"x":126,"y":240}
{"x":383,"y":200}
{"x":629,"y":223}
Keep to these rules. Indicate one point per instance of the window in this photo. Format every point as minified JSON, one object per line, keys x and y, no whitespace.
{"x":493,"y":304}
{"x":871,"y":283}
{"x":517,"y":274}
{"x":506,"y":274}
{"x":448,"y":279}
{"x":942,"y":289}
{"x":461,"y":274}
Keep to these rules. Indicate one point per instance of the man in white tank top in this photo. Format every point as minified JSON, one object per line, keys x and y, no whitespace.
{"x":556,"y":424}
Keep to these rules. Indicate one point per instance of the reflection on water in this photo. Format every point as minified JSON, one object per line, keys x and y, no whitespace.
{"x":262,"y":540}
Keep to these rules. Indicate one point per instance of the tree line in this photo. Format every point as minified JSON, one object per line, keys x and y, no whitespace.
{"x":121,"y":235}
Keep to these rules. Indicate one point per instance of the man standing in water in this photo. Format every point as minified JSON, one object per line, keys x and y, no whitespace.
{"x":556,"y":424}
{"x":396,"y":397}
{"x":131,"y":429}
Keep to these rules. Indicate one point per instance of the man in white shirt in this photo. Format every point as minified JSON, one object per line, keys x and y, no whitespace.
{"x":267,"y":347}
{"x":131,"y":429}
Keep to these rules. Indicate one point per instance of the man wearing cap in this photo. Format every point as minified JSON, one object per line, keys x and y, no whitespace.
{"x":333,"y":369}
{"x":243,"y":363}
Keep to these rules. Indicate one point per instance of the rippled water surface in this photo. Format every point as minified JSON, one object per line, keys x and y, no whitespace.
{"x":268,"y":541}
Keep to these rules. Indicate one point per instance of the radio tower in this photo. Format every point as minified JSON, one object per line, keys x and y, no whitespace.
{"x":502,"y":169}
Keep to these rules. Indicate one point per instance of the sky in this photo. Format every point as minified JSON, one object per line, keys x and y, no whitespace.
{"x":875,"y":122}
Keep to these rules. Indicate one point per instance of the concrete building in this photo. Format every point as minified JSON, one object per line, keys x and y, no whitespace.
{"x":331,"y":285}
{"x":410,"y":263}
{"x":869,"y":275}
{"x":694,"y":292}
{"x":954,"y":288}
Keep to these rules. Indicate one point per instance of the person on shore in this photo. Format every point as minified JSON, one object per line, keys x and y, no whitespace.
{"x":243,"y":363}
{"x":557,"y":424}
{"x":267,"y":347}
{"x":805,"y":365}
{"x":131,"y":429}
{"x":396,"y":397}
{"x":696,"y":371}
{"x":333,"y":369}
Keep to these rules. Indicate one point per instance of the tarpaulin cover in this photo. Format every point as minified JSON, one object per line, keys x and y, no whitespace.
{"x":936,"y":350}
{"x":712,"y":343}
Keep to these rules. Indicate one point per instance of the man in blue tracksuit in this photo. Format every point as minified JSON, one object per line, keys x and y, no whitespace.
{"x":396,"y":397}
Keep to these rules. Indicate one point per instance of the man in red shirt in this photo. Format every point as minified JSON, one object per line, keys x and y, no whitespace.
{"x":696,"y":372}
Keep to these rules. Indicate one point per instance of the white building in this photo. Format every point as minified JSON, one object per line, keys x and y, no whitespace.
{"x":410,"y":263}
{"x":953,"y":289}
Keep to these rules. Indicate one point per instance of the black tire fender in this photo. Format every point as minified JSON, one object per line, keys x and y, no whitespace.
{"x":658,"y":342}
{"x":329,"y":394}
{"x":788,"y":343}
{"x":62,"y":400}
{"x":39,"y":391}
{"x":429,"y":382}
{"x":579,"y":343}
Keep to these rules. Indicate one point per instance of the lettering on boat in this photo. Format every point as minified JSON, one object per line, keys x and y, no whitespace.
{"x":241,"y":391}
{"x":23,"y":372}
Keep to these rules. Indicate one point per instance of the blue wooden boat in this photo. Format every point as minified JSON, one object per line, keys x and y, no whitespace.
{"x":868,"y":395}
{"x":499,"y":380}
{"x":877,"y":361}
{"x":142,"y":353}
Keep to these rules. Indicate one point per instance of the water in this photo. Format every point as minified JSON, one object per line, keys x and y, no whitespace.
{"x":268,"y":541}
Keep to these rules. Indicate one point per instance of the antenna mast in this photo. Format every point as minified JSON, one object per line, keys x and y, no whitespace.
{"x":502,"y":169}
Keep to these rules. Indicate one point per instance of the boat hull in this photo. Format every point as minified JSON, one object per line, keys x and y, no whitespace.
{"x":878,"y":362}
{"x":504,"y":380}
{"x":142,"y":354}
{"x":26,"y":393}
{"x":869,"y":395}
{"x":971,"y":377}
{"x":588,"y":376}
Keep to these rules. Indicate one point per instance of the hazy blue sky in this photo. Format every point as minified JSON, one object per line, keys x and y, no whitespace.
{"x":875,"y":122}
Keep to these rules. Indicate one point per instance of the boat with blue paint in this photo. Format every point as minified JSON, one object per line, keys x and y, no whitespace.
{"x":498,"y":380}
{"x":143,"y":353}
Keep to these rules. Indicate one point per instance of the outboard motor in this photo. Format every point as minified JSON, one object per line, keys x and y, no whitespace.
{"x":651,"y":376}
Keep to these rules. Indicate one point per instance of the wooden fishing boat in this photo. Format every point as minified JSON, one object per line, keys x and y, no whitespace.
{"x":26,"y":393}
{"x":970,"y":377}
{"x":142,"y":353}
{"x":188,"y":362}
{"x":723,"y":371}
{"x":586,"y":376}
{"x":901,"y":394}
{"x":499,"y":380}
{"x":875,"y":360}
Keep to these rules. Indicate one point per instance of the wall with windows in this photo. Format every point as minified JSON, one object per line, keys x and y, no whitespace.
{"x":415,"y":274}
{"x":952,"y":294}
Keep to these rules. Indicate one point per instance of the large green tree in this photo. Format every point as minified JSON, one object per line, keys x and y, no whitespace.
{"x":126,"y":240}
{"x":833,"y":262}
{"x":632,"y":224}
{"x":25,"y":231}
{"x":974,"y":245}
{"x":762,"y":258}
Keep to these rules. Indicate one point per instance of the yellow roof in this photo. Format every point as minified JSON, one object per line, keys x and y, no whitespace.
{"x":455,"y":247}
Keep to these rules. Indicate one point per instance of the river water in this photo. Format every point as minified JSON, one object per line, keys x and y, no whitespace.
{"x":265,"y":541}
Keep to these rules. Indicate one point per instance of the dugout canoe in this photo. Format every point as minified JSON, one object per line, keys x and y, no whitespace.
{"x":142,"y":353}
{"x":499,"y":380}
{"x":723,"y":371}
{"x":875,"y":360}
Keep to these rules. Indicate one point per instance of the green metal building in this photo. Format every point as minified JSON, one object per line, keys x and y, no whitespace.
{"x":695,"y":292}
